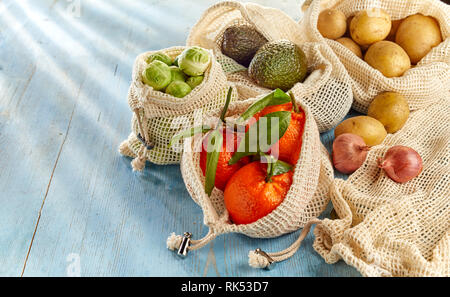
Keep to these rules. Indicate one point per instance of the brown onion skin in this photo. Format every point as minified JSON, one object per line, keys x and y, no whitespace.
{"x":401,"y":163}
{"x":349,"y":152}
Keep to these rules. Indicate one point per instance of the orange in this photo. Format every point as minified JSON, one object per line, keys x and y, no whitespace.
{"x":289,"y":146}
{"x":249,"y":197}
{"x":224,"y":171}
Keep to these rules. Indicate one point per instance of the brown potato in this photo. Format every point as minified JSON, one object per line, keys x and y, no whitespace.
{"x":351,"y":45}
{"x":331,"y":23}
{"x":388,"y":57}
{"x":370,"y":25}
{"x":417,"y":35}
{"x":369,"y":129}
{"x":391,"y":109}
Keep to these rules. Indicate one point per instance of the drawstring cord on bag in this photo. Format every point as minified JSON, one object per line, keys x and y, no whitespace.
{"x":261,"y":259}
{"x":184,"y":243}
{"x":257,"y":258}
{"x":138,"y":163}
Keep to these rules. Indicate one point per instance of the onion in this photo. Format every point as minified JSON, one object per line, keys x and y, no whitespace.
{"x":401,"y":163}
{"x":349,"y":152}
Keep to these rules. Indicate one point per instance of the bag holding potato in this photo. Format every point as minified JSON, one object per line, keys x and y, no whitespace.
{"x":385,"y":228}
{"x":304,"y":201}
{"x":326,"y":89}
{"x":161,"y":108}
{"x":405,"y":46}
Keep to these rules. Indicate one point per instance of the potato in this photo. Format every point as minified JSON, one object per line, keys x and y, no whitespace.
{"x":391,"y":109}
{"x":351,"y":45}
{"x":332,"y":23}
{"x":370,"y":129}
{"x":388,"y":57}
{"x":394,"y":28}
{"x":370,"y":25}
{"x":417,"y":35}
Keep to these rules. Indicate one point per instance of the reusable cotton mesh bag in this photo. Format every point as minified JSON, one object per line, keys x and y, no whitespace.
{"x":390,"y":229}
{"x":385,"y":228}
{"x":327,"y":90}
{"x":422,"y":85}
{"x":303,"y":202}
{"x":158,"y":116}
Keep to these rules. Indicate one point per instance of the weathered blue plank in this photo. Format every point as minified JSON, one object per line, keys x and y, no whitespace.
{"x":33,"y":124}
{"x":63,"y":113}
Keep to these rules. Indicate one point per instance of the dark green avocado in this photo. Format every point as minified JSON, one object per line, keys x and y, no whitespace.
{"x":241,"y":42}
{"x":278,"y":64}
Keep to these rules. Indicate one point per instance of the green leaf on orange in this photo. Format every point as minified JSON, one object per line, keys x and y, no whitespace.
{"x":275,"y":167}
{"x":258,"y":140}
{"x":276,"y":97}
{"x":280,"y":167}
{"x":189,"y":133}
{"x":227,"y":103}
{"x":214,"y":147}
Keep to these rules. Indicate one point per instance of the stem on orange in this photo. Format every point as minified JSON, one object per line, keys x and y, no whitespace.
{"x":294,"y":104}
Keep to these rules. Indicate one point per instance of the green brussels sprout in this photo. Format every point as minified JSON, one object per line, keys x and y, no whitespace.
{"x":178,"y":89}
{"x":194,"y":81}
{"x":194,"y":61}
{"x":157,"y":75}
{"x":177,"y":74}
{"x":175,"y":62}
{"x":159,"y":57}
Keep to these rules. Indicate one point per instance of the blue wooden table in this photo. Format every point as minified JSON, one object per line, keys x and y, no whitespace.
{"x":70,"y":204}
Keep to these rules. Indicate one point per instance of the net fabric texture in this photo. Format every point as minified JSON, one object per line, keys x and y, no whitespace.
{"x":300,"y":204}
{"x":327,"y":92}
{"x":390,"y":229}
{"x":162,"y":115}
{"x":422,"y":85}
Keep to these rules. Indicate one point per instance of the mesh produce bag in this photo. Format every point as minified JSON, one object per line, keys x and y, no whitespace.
{"x":158,"y":116}
{"x":422,"y":85}
{"x":390,"y":229}
{"x":384,"y":228}
{"x":327,"y":90}
{"x":304,"y":201}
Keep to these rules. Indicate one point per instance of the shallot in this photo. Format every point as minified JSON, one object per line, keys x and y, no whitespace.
{"x":349,"y":152}
{"x":401,"y":163}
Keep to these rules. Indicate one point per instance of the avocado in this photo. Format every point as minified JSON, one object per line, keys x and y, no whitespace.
{"x":241,"y":42}
{"x":278,"y":64}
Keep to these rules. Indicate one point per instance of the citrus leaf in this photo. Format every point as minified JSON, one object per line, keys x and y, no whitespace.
{"x":276,"y":97}
{"x":280,"y":167}
{"x":274,"y":167}
{"x":189,"y":133}
{"x":279,"y":127}
{"x":258,"y":140}
{"x":212,"y":158}
{"x":227,"y":103}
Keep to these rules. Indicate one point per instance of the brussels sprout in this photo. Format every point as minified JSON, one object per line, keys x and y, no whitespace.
{"x":177,"y":74}
{"x":175,"y":62}
{"x":157,"y":75}
{"x":159,"y":57}
{"x":178,"y":89}
{"x":194,"y":81}
{"x":194,"y":61}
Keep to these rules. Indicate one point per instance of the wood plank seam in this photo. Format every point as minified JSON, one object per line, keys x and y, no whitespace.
{"x":50,"y":181}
